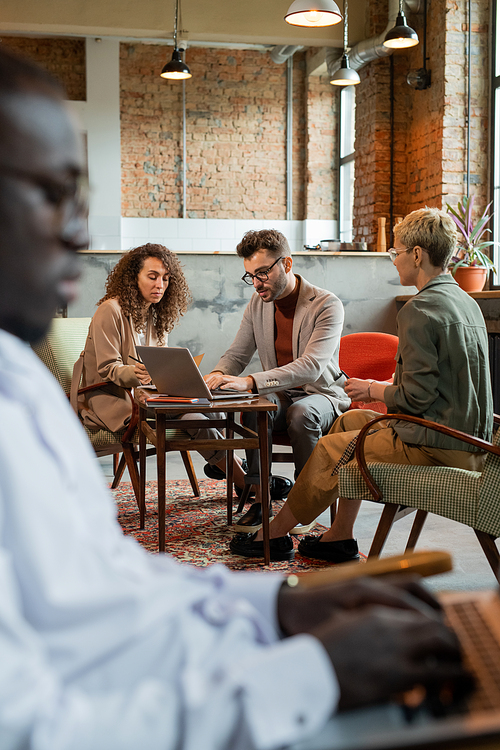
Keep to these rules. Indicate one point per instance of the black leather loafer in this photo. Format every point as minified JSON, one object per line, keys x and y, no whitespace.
{"x":213,"y":472}
{"x":345,"y":550}
{"x":280,"y":548}
{"x":280,"y":487}
{"x":252,"y":520}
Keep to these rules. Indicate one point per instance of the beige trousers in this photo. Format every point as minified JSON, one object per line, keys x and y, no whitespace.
{"x":316,"y":486}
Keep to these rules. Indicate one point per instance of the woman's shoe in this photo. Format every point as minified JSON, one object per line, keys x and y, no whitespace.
{"x":213,"y":472}
{"x":342,"y":551}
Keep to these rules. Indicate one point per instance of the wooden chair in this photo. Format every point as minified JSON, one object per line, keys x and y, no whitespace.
{"x":469,"y":497}
{"x":59,"y":351}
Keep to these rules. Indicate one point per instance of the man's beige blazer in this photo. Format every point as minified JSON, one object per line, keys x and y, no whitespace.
{"x":317,"y":327}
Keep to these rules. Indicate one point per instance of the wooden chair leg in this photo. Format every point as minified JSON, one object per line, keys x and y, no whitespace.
{"x":487,"y":542}
{"x":384,"y":526}
{"x":243,"y":498}
{"x":131,"y":460}
{"x":188,"y":464}
{"x":118,"y":470}
{"x":418,"y":525}
{"x":333,"y":511}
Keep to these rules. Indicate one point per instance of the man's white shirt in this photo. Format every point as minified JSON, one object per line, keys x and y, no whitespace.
{"x":103,"y":645}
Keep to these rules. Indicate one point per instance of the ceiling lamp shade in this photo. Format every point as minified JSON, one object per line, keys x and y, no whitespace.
{"x":345,"y":75}
{"x":401,"y":36}
{"x":176,"y":69}
{"x":313,"y":13}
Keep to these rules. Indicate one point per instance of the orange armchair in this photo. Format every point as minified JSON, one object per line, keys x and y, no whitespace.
{"x":369,"y":355}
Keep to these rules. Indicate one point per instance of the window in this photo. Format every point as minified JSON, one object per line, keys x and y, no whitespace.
{"x":346,"y":161}
{"x":496,"y":139}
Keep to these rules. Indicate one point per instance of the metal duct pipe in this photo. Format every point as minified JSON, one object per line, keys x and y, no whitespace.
{"x":373,"y":48}
{"x":281,"y":52}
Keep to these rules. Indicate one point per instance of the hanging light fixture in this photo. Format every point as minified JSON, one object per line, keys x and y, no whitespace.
{"x":313,"y":13}
{"x":345,"y":75}
{"x":401,"y":35}
{"x":176,"y":69}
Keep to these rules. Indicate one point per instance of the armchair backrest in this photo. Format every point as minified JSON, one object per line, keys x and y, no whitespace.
{"x":61,"y":347}
{"x":369,"y":354}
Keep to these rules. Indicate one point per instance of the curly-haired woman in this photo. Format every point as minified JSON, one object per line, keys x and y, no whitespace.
{"x":146,"y":294}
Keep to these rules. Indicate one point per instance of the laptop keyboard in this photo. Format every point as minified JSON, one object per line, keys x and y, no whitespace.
{"x":481,"y":653}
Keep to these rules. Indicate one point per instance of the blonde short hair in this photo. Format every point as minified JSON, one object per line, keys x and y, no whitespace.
{"x":431,"y":229}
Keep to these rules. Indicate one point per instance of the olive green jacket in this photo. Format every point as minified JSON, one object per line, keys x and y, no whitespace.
{"x":442,"y":369}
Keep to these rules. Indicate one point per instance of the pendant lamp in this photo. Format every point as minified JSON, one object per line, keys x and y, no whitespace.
{"x":401,"y":36}
{"x":176,"y":69}
{"x":345,"y":75}
{"x":313,"y":13}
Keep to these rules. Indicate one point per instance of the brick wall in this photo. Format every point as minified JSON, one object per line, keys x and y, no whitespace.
{"x":64,"y":58}
{"x":429,"y":154}
{"x":236,"y":136}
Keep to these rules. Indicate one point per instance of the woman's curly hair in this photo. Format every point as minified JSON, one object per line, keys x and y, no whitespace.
{"x":122,"y":285}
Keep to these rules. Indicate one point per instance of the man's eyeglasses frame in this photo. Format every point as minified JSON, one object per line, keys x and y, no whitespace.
{"x":260,"y":275}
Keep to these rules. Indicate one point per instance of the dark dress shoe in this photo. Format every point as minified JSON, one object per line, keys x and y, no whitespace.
{"x":252,"y":520}
{"x":213,"y":472}
{"x":280,"y":548}
{"x":342,"y":551}
{"x":280,"y":487}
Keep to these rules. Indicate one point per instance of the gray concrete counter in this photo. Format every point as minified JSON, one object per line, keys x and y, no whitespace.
{"x":367,"y":284}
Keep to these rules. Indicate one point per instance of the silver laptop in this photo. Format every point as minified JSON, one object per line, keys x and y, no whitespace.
{"x":175,"y":373}
{"x":475,"y":617}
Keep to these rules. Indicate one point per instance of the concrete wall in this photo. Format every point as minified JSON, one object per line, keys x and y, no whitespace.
{"x":366,"y":283}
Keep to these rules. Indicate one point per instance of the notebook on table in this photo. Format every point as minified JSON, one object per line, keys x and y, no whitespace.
{"x":175,"y":373}
{"x":475,"y":618}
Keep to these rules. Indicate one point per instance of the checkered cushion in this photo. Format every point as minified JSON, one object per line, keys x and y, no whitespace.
{"x":469,"y":497}
{"x":62,"y":346}
{"x":102,"y":439}
{"x":453,"y":493}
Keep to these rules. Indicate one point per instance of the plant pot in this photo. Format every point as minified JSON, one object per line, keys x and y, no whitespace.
{"x":471,"y":278}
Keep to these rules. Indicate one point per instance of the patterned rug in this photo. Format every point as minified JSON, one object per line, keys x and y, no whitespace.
{"x":196,"y":528}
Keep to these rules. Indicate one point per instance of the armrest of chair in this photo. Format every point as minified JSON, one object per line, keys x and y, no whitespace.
{"x":134,"y":419}
{"x":483,"y":445}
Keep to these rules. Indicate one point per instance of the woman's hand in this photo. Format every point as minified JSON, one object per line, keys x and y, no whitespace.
{"x":142,"y":374}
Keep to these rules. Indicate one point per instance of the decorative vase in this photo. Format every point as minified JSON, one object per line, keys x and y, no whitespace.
{"x":381,"y":238}
{"x":471,"y":278}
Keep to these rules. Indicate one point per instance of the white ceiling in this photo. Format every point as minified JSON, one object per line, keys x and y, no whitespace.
{"x":226,"y":21}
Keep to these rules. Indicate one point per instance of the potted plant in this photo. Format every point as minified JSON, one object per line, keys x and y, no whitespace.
{"x":470,"y":266}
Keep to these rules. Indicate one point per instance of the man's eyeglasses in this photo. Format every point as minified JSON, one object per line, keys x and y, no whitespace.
{"x":68,"y":194}
{"x":393,"y":253}
{"x":248,"y":278}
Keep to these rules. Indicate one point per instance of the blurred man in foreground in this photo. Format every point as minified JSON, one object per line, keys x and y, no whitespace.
{"x":101,"y":644}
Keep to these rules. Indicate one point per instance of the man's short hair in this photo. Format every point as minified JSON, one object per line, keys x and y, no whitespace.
{"x":263,"y":239}
{"x":431,"y":229}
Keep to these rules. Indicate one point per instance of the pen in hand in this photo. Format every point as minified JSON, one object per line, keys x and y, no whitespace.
{"x":135,"y":359}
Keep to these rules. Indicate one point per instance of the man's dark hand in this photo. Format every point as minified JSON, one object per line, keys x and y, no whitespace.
{"x":380,"y":652}
{"x":302,"y":610}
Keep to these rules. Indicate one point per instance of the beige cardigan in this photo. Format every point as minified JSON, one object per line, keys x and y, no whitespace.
{"x":110,"y":342}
